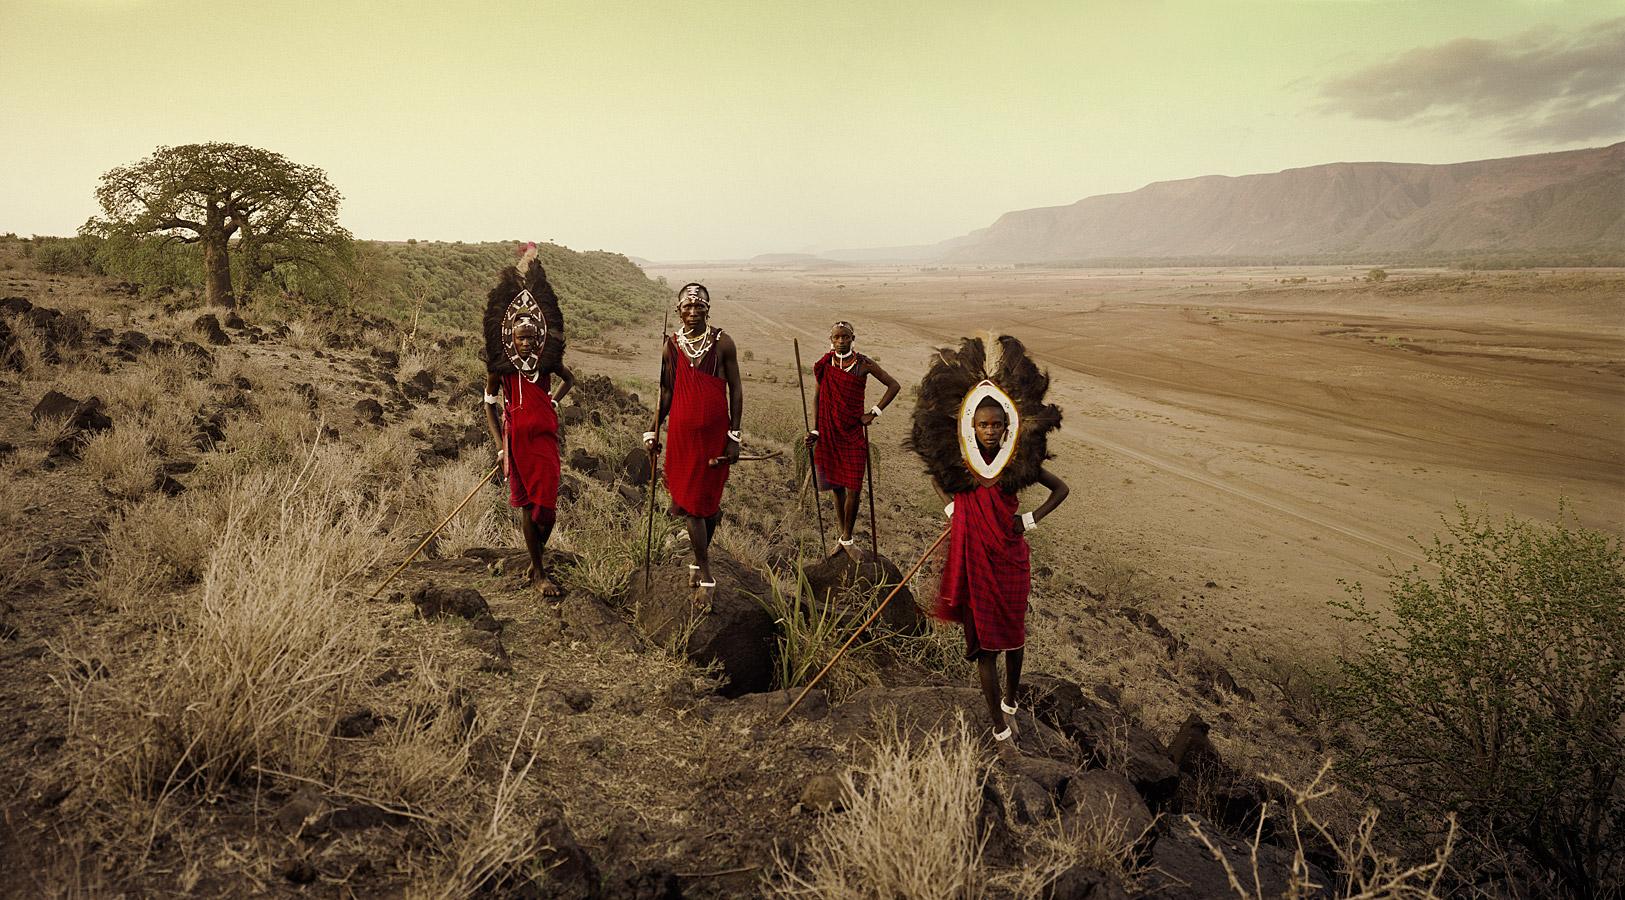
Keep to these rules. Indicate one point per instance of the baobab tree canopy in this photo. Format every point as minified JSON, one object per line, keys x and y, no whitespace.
{"x":231,"y":199}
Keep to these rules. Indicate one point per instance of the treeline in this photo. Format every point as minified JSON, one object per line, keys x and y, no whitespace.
{"x":430,"y":282}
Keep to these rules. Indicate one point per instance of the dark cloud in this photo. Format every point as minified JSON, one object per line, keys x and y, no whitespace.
{"x":1536,"y":88}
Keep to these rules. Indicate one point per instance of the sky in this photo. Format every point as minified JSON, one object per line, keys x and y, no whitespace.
{"x":719,"y":130}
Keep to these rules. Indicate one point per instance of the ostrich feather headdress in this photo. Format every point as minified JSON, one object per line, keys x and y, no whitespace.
{"x":954,"y":385}
{"x":523,"y":300}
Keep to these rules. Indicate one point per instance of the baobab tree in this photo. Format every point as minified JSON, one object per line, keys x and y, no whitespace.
{"x":229,"y":198}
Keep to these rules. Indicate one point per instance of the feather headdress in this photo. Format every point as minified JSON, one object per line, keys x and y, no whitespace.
{"x":518,"y":300}
{"x":954,"y":384}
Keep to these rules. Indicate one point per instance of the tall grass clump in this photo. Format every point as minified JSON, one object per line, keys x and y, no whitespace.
{"x":276,"y":644}
{"x":122,"y":460}
{"x":909,"y":829}
{"x":811,"y":632}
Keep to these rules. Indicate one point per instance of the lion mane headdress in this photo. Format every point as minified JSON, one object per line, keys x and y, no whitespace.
{"x":517,"y":301}
{"x":958,"y":381}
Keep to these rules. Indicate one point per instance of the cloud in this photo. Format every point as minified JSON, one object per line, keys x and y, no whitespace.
{"x":1534,"y":88}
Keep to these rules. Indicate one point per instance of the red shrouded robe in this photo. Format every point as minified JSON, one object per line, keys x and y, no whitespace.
{"x":530,"y":431}
{"x":696,"y":432}
{"x":842,"y":450}
{"x":986,"y":582}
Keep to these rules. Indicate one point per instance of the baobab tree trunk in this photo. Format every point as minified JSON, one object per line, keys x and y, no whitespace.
{"x":217,"y":272}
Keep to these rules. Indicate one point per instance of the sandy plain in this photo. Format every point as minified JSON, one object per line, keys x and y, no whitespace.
{"x":1242,"y":444}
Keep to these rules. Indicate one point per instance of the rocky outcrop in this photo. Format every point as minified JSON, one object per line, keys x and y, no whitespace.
{"x":730,"y":628}
{"x":852,"y":585}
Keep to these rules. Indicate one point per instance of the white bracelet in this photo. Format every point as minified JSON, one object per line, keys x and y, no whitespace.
{"x":492,"y":399}
{"x":814,"y":432}
{"x":949,"y":509}
{"x":876,"y":410}
{"x":1028,"y":523}
{"x":648,"y":436}
{"x":734,"y":436}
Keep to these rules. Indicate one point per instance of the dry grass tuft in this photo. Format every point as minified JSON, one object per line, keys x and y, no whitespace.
{"x":1366,"y":871}
{"x":275,"y":647}
{"x":122,"y":460}
{"x":492,"y":844}
{"x":922,"y":795}
{"x":27,"y":352}
{"x":1100,"y":842}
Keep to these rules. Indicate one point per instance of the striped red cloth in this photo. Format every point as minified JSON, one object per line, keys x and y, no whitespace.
{"x":696,"y":433}
{"x":986,"y":582}
{"x":530,"y":431}
{"x":842,"y":450}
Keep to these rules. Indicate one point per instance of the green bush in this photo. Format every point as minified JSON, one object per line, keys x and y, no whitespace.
{"x":65,"y":256}
{"x":1495,"y":690}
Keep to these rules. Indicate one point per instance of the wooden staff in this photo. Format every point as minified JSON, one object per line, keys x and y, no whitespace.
{"x":488,"y":475}
{"x":870,"y":621}
{"x":654,"y":455}
{"x":818,"y":504}
{"x":869,"y":467}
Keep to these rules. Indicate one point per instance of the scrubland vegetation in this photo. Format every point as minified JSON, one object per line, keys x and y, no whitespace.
{"x":211,"y":700}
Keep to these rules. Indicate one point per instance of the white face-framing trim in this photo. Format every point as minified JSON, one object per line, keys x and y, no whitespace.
{"x":968,"y":448}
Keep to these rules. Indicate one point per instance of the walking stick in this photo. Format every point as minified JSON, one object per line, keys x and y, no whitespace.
{"x":869,"y":467}
{"x":870,"y":621}
{"x":414,"y":554}
{"x":818,"y":504}
{"x":654,"y":471}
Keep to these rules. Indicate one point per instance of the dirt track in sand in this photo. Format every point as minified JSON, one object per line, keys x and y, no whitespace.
{"x":1251,"y":443}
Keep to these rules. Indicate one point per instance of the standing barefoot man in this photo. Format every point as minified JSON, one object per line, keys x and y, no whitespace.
{"x":524,"y":341}
{"x":700,"y":390}
{"x":840,"y":442}
{"x":982,"y":427}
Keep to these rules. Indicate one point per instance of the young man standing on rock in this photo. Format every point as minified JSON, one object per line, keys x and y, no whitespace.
{"x":981,"y":426}
{"x":840,"y":441}
{"x":524,"y":349}
{"x":700,"y":390}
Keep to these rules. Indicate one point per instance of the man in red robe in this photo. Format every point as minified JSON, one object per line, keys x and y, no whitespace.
{"x":985,"y":583}
{"x":840,"y":442}
{"x":527,"y":433}
{"x":701,"y":392}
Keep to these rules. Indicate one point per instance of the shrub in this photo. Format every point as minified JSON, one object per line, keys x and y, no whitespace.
{"x":1377,"y":275}
{"x":1497,"y":691}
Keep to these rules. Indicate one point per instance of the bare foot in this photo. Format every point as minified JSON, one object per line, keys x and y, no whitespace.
{"x":542,"y":580}
{"x":853,"y":552}
{"x":693,"y":575}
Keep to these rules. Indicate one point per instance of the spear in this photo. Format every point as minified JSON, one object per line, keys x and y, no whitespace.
{"x":818,"y":504}
{"x":654,"y":470}
{"x":448,"y":518}
{"x":869,"y":467}
{"x":867,"y":622}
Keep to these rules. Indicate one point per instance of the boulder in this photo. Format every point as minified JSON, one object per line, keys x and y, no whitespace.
{"x":922,"y":710}
{"x":1029,"y":802}
{"x":732,"y":629}
{"x":131,"y":344}
{"x":436,"y":602}
{"x":824,"y":793}
{"x":851,"y":583}
{"x":1098,"y":793}
{"x":81,"y":415}
{"x":590,"y":620}
{"x":1106,"y":736}
{"x":635,"y":467}
{"x":565,"y":870}
{"x":209,"y":327}
{"x":370,"y":411}
{"x":419,"y":386}
{"x":1183,"y":869}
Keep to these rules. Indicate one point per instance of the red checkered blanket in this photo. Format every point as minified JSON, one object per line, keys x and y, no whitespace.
{"x":985,"y":584}
{"x":842,"y":450}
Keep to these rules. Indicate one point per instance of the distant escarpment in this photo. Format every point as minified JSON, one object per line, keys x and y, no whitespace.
{"x":1566,"y":203}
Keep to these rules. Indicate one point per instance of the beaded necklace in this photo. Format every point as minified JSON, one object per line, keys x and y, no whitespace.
{"x":850,"y":354}
{"x":696,"y":348}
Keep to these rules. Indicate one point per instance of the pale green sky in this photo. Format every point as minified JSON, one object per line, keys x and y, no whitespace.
{"x":724,"y":129}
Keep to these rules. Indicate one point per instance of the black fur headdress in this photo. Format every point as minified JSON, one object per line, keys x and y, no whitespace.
{"x":514,"y":299}
{"x":951,"y":377}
